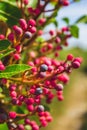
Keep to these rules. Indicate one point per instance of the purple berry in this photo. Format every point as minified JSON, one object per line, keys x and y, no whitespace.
{"x":43,"y":68}
{"x":38,"y":91}
{"x":40,"y":108}
{"x":27,"y":34}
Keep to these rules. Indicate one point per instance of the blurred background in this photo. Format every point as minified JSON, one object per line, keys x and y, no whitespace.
{"x":71,"y":114}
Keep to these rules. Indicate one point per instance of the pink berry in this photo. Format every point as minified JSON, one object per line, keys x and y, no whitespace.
{"x":2,"y":67}
{"x":30,"y":108}
{"x":57,"y":40}
{"x":31,"y":22}
{"x":17,"y":30}
{"x":23,"y":24}
{"x":79,"y":59}
{"x":26,"y":2}
{"x":30,"y":101}
{"x":17,"y":56}
{"x":51,"y":32}
{"x":2,"y":37}
{"x":70,"y":57}
{"x":32,"y":29}
{"x":42,"y":21}
{"x":27,"y":121}
{"x":75,"y":64}
{"x":11,"y":37}
{"x":40,"y":32}
{"x":50,"y":46}
{"x":21,"y":127}
{"x":18,"y":48}
{"x":13,"y":94}
{"x":60,"y":98}
{"x":44,"y":123}
{"x":35,"y":127}
{"x":12,"y":115}
{"x":49,"y":119}
{"x":66,"y":2}
{"x":42,"y":118}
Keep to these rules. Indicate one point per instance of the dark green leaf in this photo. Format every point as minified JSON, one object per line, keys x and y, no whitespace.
{"x":83,"y":19}
{"x":74,"y":31}
{"x":47,"y":108}
{"x":66,"y":20}
{"x":13,"y":70}
{"x":7,"y":52}
{"x":9,"y":12}
{"x":4,"y":44}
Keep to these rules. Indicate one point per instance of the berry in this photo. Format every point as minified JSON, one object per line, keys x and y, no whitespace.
{"x":31,"y":22}
{"x":13,"y":94}
{"x":40,"y":108}
{"x":21,"y":127}
{"x":70,"y":57}
{"x":17,"y":56}
{"x":32,"y":29}
{"x":57,"y":40}
{"x":59,"y":87}
{"x":27,"y":34}
{"x":30,"y":108}
{"x":60,"y":98}
{"x":2,"y":67}
{"x":2,"y":37}
{"x":27,"y":121}
{"x":18,"y":48}
{"x":44,"y":123}
{"x":30,"y":101}
{"x":26,"y":2}
{"x":75,"y":64}
{"x":23,"y":24}
{"x":38,"y":91}
{"x":42,"y":21}
{"x":43,"y":68}
{"x":12,"y":115}
{"x":51,"y":32}
{"x":17,"y":30}
{"x":12,"y":87}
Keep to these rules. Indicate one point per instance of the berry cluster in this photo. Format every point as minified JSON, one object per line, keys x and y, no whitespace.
{"x":35,"y":88}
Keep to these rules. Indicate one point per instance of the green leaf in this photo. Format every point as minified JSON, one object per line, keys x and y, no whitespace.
{"x":40,"y":39}
{"x":28,"y":127}
{"x":32,"y":3}
{"x":10,"y":12}
{"x":14,"y":70}
{"x":66,"y":20}
{"x":74,"y":31}
{"x":3,"y":126}
{"x":54,"y":21}
{"x":6,"y":53}
{"x":4,"y":44}
{"x":83,"y":19}
{"x":1,"y":90}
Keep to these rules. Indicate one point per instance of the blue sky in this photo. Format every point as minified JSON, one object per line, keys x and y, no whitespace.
{"x":73,"y":12}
